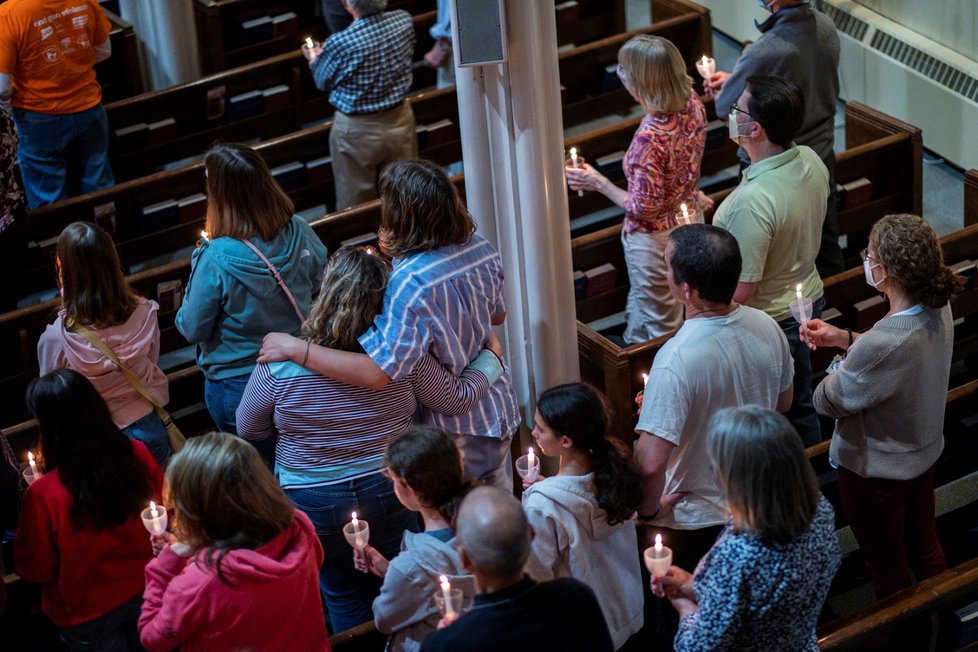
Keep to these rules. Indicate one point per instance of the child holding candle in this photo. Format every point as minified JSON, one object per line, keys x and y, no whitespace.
{"x":240,"y":570}
{"x":80,"y":535}
{"x":662,"y":166}
{"x":582,"y":517}
{"x":96,"y":296}
{"x":762,"y":584}
{"x":426,"y":469}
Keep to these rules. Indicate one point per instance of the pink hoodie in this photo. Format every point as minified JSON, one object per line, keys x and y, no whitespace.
{"x":136,"y":342}
{"x":270,"y":600}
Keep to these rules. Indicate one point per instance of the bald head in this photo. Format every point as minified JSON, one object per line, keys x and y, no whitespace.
{"x":493,"y":531}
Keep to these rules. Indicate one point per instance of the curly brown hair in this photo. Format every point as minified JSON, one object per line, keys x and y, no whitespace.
{"x":907,"y":247}
{"x":350,"y":297}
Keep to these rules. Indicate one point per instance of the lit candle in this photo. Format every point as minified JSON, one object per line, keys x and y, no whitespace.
{"x":706,"y":68}
{"x":645,"y":379}
{"x":685,"y":211}
{"x":798,"y":292}
{"x":31,"y":474}
{"x":30,"y":460}
{"x":531,"y":458}
{"x":357,"y":538}
{"x":154,"y":519}
{"x":309,"y":43}
{"x":203,"y":235}
{"x":704,"y":59}
{"x":576,"y":164}
{"x":446,"y":592}
{"x":658,"y":558}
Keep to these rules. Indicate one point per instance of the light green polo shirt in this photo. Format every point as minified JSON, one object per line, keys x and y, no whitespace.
{"x":776,"y":214}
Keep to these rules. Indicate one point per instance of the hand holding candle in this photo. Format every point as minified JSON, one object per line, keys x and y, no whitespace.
{"x":154,"y":519}
{"x":528,"y":466}
{"x":448,"y":600}
{"x":800,"y":307}
{"x":658,"y":558}
{"x":576,"y":163}
{"x":357,"y":532}
{"x":706,"y":67}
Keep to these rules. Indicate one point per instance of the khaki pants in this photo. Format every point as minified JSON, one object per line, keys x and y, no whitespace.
{"x":361,"y":145}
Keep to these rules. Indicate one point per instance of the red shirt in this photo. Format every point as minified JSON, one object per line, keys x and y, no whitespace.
{"x":85,"y":573}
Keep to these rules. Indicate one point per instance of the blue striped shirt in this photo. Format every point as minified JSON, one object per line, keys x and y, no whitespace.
{"x":331,"y":432}
{"x":442,"y":302}
{"x":366,"y":68}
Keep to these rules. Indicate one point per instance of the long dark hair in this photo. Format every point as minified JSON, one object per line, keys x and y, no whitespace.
{"x":94,"y":460}
{"x":95,"y":292}
{"x":579,"y":412}
{"x":428,"y":461}
{"x":224,"y":497}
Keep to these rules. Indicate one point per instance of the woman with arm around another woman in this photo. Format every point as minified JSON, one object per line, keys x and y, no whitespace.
{"x":762,"y":584}
{"x":582,"y":517}
{"x":662,"y":166}
{"x":96,"y":296}
{"x":331,"y":435}
{"x":80,"y":536}
{"x":887,"y":398}
{"x":233,"y":297}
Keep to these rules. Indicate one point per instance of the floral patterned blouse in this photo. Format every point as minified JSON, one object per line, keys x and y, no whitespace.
{"x":11,"y":194}
{"x":753,"y":596}
{"x":662,"y":166}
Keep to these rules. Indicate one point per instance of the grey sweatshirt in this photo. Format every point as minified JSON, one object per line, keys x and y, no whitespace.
{"x":799,"y":44}
{"x":888,"y":396}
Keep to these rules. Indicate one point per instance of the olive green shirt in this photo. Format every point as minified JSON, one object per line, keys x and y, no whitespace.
{"x":776,"y":214}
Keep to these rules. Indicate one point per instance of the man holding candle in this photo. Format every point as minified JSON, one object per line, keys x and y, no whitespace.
{"x":776,"y":215}
{"x":725,"y":355}
{"x":366,"y":69}
{"x":511,"y":611}
{"x":800,"y":44}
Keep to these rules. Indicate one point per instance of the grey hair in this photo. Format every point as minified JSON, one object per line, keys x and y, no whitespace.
{"x":771,"y":489}
{"x":494,"y":532}
{"x":367,"y":7}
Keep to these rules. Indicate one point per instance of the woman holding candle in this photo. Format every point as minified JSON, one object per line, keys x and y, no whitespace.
{"x":662,"y":166}
{"x":240,"y":569}
{"x":80,"y":535}
{"x":331,"y":435}
{"x":96,"y":296}
{"x":582,"y":517}
{"x":887,"y":398}
{"x":762,"y":584}
{"x":426,"y":469}
{"x":254,"y":273}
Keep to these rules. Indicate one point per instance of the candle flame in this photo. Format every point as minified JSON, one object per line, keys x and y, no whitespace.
{"x":685,"y":211}
{"x":443,"y":580}
{"x":573,"y":152}
{"x":354,"y":518}
{"x":658,"y":543}
{"x":154,"y":512}
{"x":203,"y":235}
{"x":645,"y":379}
{"x":798,"y":288}
{"x":704,"y":60}
{"x":309,"y":43}
{"x":30,"y":457}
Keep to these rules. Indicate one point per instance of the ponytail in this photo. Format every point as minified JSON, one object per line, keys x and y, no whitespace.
{"x":617,"y":483}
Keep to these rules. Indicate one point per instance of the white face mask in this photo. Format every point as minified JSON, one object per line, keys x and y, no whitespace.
{"x":733,"y":127}
{"x":868,"y":272}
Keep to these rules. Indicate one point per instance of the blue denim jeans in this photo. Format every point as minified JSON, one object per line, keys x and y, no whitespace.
{"x":222,"y":398}
{"x":802,"y":413}
{"x":63,"y":155}
{"x":348,"y":592}
{"x":114,"y":632}
{"x":152,"y":433}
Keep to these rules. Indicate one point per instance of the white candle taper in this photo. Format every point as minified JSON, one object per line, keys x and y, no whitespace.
{"x":309,"y":43}
{"x":574,"y":162}
{"x":446,"y":592}
{"x":658,"y":558}
{"x":356,"y":531}
{"x":154,"y":519}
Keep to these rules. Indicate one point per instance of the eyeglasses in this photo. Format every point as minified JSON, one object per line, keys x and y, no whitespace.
{"x":864,"y":255}
{"x":734,"y":107}
{"x":622,"y":73}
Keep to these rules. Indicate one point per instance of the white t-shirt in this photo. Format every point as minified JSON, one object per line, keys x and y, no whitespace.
{"x":712,"y":363}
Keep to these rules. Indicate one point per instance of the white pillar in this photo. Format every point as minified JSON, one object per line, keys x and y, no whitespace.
{"x":513,"y":152}
{"x":167,"y":38}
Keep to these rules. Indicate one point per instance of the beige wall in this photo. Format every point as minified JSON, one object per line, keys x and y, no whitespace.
{"x":952,"y":23}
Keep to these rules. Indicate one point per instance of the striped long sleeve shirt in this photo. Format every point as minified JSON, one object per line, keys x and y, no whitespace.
{"x":443,"y":302}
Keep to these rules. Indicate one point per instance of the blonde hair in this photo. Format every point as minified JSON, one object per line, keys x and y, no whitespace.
{"x":771,"y":489}
{"x":243,"y":199}
{"x":350,"y":297}
{"x":655,"y":73}
{"x":224,"y":497}
{"x":907,"y":246}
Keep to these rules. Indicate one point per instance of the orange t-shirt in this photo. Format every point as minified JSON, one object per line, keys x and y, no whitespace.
{"x":48,"y":48}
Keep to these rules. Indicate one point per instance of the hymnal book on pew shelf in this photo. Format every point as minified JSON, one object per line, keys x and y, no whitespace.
{"x":257,"y":30}
{"x":169,"y":295}
{"x":601,"y":279}
{"x":245,"y":105}
{"x":285,"y":24}
{"x":215,"y":102}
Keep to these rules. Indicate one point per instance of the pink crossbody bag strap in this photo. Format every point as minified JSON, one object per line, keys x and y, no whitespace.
{"x":278,"y":278}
